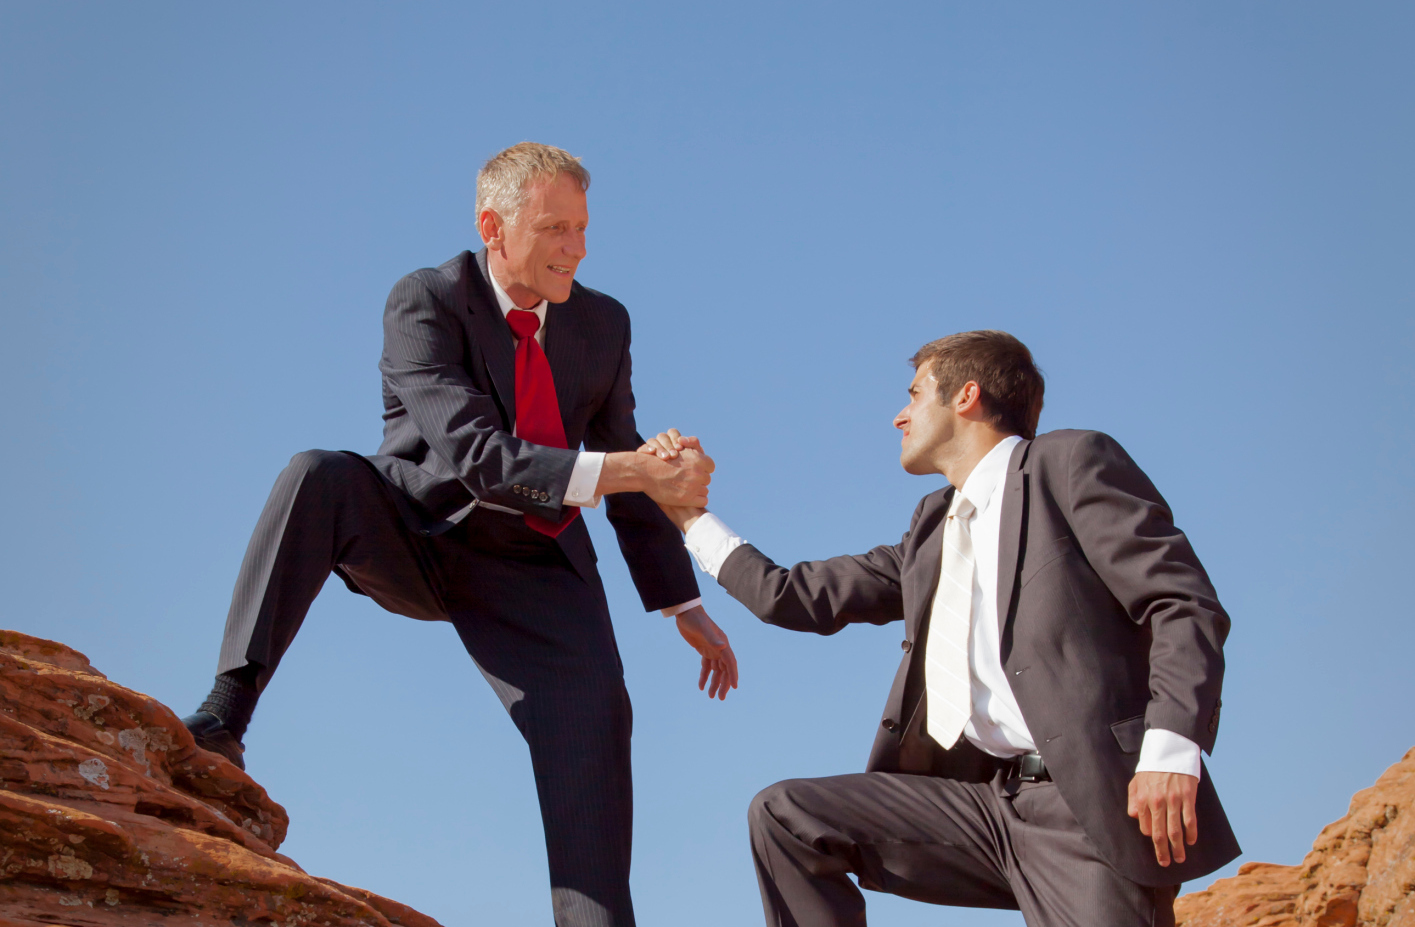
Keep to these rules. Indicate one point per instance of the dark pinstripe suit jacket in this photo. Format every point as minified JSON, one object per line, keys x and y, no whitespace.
{"x":1109,"y":626}
{"x":449,"y":399}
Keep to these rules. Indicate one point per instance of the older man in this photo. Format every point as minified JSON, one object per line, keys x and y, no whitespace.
{"x":497,"y":367}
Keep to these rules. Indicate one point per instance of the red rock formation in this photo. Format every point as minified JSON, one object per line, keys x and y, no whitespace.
{"x":110,"y":814}
{"x":1360,"y":873}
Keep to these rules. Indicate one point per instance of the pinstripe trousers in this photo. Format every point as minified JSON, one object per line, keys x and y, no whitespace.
{"x":538,"y":631}
{"x":985,"y":844}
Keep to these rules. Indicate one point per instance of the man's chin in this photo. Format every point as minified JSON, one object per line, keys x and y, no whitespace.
{"x":556,"y":294}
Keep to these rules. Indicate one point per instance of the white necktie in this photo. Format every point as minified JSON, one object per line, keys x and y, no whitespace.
{"x":946,"y":676}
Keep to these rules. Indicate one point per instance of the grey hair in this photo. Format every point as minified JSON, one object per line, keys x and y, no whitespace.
{"x":505,"y":180}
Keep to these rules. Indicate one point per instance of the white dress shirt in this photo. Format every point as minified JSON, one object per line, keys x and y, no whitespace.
{"x":996,"y":725}
{"x":584,"y":476}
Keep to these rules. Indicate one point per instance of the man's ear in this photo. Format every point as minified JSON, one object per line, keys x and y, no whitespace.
{"x":968,"y":401}
{"x":490,"y":226}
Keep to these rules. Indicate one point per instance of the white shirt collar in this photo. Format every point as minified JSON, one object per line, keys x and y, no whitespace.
{"x":978,"y":487}
{"x":504,"y":302}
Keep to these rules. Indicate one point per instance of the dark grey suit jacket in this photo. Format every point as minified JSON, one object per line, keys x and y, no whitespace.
{"x":449,"y":400}
{"x":1109,"y":626}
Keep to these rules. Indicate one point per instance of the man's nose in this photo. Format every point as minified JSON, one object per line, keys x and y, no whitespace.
{"x":901,"y":419}
{"x":575,"y":247}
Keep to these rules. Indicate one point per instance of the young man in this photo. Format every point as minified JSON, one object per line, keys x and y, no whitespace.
{"x":1061,"y":674}
{"x":496,"y":367}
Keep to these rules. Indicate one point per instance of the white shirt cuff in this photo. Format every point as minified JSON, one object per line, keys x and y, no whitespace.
{"x":679,"y":609}
{"x":710,"y":541}
{"x":584,"y":479}
{"x":1166,"y":751}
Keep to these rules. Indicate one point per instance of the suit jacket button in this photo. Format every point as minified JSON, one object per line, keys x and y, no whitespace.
{"x":545,"y":497}
{"x":889,"y":724}
{"x":906,"y":646}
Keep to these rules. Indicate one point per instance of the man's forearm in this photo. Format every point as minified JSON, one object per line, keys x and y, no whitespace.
{"x":623,"y":471}
{"x":682,"y":481}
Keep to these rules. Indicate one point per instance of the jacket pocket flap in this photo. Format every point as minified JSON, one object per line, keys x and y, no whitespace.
{"x":1130,"y":733}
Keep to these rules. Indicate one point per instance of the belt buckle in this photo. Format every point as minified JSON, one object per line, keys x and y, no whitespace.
{"x":1030,"y":768}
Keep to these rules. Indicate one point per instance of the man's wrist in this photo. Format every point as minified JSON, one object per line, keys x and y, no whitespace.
{"x":1165,"y":751}
{"x":584,"y":478}
{"x":711,"y":542}
{"x":623,"y":471}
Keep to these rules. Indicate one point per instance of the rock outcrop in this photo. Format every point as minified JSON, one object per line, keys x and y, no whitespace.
{"x":1360,"y":873}
{"x":111,"y":815}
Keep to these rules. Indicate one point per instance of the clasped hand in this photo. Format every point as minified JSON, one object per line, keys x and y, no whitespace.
{"x":670,"y":445}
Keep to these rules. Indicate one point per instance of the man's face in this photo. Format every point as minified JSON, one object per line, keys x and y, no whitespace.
{"x":544,"y":246}
{"x":928,"y":425}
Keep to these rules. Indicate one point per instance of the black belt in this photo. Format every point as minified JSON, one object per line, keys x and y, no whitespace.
{"x":1029,"y":767}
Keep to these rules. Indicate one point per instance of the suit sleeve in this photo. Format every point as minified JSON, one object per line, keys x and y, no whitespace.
{"x":820,"y":595}
{"x":1127,"y":534}
{"x":652,"y":546}
{"x":422,"y":359}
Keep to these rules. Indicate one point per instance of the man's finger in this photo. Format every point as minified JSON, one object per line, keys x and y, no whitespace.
{"x":1142,"y":814}
{"x":1191,"y":819}
{"x":676,"y":438}
{"x":667,"y":448}
{"x":1159,"y":831}
{"x":1174,"y":829}
{"x":703,"y":674}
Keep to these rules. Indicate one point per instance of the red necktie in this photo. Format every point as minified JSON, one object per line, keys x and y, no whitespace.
{"x":537,"y":409}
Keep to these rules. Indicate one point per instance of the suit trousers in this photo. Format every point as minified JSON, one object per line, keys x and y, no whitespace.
{"x":539,"y":632}
{"x":991,"y":844}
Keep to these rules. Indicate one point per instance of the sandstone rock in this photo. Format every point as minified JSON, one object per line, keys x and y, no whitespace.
{"x":1360,"y":873}
{"x":111,"y":815}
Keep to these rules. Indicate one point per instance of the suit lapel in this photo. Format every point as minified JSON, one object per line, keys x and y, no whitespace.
{"x":928,"y":561}
{"x":493,"y":337}
{"x":1009,"y":542}
{"x":565,"y":349}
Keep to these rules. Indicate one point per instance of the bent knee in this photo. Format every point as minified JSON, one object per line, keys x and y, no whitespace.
{"x":320,"y":464}
{"x":776,"y":796}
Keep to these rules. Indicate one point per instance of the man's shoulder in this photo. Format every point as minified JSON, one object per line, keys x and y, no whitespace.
{"x":442,"y":279}
{"x":600,"y":302}
{"x":1062,"y":444}
{"x":934,"y":504}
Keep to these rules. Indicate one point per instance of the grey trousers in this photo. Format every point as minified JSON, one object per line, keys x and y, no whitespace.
{"x":940,"y":841}
{"x":538,"y":631}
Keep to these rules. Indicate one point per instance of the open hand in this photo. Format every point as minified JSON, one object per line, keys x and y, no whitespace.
{"x":1163,"y":804}
{"x":719,"y":668}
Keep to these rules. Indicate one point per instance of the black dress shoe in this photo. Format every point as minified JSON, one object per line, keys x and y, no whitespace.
{"x":211,"y":734}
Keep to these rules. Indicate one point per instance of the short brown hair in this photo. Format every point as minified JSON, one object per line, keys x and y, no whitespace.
{"x":505,"y":179}
{"x":1008,"y":379}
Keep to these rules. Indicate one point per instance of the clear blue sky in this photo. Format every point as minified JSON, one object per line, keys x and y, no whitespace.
{"x":1199,"y":216}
